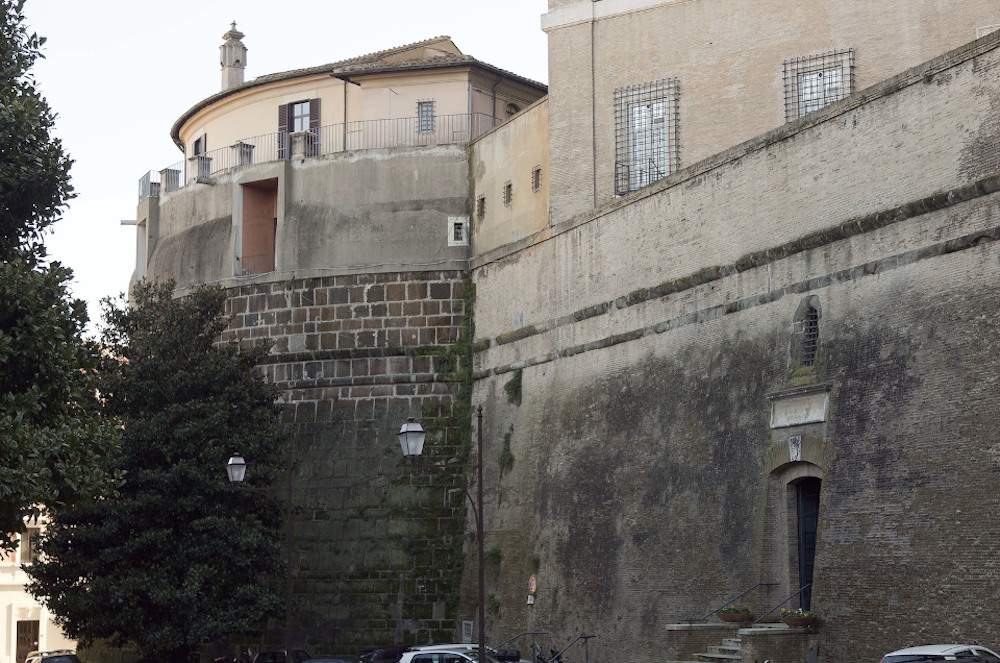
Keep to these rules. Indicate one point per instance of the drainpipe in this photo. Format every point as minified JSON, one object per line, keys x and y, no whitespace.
{"x":494,"y":91}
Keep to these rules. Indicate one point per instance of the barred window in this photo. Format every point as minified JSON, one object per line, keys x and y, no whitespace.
{"x":425,"y":116}
{"x":536,"y":179}
{"x":508,"y":194}
{"x":646,"y":133}
{"x":810,"y":336}
{"x":816,"y":81}
{"x":481,"y":208}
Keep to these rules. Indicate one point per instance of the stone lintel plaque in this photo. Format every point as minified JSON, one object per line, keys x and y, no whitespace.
{"x":798,"y":409}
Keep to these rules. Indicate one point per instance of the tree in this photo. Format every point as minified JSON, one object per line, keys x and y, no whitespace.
{"x":179,"y":557}
{"x":52,"y":440}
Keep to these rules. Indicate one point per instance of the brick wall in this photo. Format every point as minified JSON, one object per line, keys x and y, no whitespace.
{"x":377,"y":546}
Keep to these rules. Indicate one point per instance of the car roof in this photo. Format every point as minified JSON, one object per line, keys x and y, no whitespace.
{"x":935,"y":649}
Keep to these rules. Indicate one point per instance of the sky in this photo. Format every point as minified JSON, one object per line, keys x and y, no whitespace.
{"x":118,"y":73}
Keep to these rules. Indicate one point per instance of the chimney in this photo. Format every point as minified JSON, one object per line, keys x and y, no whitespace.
{"x":233,"y":58}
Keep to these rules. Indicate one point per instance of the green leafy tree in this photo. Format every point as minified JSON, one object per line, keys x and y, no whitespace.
{"x":52,"y":440}
{"x":179,"y":556}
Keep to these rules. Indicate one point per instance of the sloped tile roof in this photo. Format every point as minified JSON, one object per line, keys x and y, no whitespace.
{"x":376,"y":62}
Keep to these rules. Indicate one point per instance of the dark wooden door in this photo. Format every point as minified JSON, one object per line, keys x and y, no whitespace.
{"x":808,"y":510}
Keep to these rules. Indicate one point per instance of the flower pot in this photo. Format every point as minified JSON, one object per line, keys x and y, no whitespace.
{"x":798,"y":621}
{"x":734,"y":616}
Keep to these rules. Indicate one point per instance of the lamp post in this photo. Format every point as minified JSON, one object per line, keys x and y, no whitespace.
{"x":411,"y":440}
{"x":236,"y":468}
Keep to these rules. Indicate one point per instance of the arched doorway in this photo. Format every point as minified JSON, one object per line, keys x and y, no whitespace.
{"x":807,"y":491}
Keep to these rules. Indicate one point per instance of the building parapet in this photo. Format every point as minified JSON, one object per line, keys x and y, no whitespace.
{"x":330,"y":139}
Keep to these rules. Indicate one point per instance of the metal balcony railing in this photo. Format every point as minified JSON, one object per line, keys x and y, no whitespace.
{"x":331,"y":139}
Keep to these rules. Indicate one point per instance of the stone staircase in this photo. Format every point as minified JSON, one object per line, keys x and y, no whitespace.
{"x":727,"y":652}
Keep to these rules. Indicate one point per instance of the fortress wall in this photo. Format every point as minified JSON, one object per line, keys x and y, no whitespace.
{"x":647,"y":484}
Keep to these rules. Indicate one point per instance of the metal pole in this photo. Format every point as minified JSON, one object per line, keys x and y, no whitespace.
{"x":288,"y":551}
{"x":479,"y":540}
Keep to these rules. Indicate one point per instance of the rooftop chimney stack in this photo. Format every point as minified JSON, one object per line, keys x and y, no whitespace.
{"x":233,"y":58}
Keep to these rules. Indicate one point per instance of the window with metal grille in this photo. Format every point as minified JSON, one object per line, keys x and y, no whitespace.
{"x":508,"y":194}
{"x":646,"y":133}
{"x":536,"y":178}
{"x":810,"y":336}
{"x":816,"y":81}
{"x":481,"y":208}
{"x":425,"y":116}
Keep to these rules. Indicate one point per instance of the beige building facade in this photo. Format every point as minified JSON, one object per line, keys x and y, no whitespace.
{"x":640,"y":88}
{"x":510,"y":180}
{"x":25,"y":624}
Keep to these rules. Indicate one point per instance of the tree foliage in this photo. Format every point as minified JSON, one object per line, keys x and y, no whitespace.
{"x":179,"y":557}
{"x":51,"y":437}
{"x":34,"y":171}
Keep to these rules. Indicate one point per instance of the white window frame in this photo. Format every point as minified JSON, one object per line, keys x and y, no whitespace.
{"x":458,"y":231}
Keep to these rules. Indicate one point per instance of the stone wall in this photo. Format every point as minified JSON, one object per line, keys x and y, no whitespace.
{"x":377,"y":545}
{"x":632,"y":462}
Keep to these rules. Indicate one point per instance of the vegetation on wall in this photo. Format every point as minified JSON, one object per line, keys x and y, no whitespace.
{"x":513,"y":388}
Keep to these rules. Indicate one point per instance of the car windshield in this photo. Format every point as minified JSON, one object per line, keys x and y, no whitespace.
{"x":61,"y":658}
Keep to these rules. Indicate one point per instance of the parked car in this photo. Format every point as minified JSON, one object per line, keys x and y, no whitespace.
{"x":56,"y":656}
{"x":282,"y":656}
{"x":931,"y":653}
{"x":447,"y":653}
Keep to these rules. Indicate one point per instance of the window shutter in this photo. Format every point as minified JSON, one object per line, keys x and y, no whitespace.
{"x":314,"y":115}
{"x":283,"y":117}
{"x":283,"y":131}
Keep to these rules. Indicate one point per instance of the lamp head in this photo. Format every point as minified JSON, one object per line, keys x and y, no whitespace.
{"x":411,"y":439}
{"x":236,"y":468}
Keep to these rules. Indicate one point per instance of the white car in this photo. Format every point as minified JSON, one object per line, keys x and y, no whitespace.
{"x":450,"y":653}
{"x":931,"y":653}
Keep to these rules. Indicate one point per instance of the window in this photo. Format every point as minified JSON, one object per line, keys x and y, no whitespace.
{"x":805,"y":337}
{"x":646,"y":133}
{"x":296,"y":117}
{"x":810,"y":336}
{"x":511,"y":110}
{"x":458,"y":231}
{"x":425,"y":116}
{"x":481,"y":208}
{"x":536,"y":179}
{"x":300,"y":116}
{"x":817,"y":81}
{"x":200,"y":145}
{"x":29,"y":545}
{"x":508,"y":194}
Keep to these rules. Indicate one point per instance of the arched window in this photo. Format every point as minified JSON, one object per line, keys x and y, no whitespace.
{"x":810,"y":336}
{"x":804,"y":346}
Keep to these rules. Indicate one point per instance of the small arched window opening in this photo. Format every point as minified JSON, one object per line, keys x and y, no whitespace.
{"x":810,"y":336}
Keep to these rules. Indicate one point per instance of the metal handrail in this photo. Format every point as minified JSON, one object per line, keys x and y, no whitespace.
{"x":731,"y":601}
{"x":792,"y":596}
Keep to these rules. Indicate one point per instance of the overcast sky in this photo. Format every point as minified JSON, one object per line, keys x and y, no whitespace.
{"x":119,"y":73}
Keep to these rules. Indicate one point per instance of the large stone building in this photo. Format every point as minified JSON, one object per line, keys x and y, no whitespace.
{"x":732,"y":325}
{"x":332,"y":204}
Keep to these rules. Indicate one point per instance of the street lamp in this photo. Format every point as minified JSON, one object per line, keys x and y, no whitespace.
{"x":236,"y":468}
{"x":411,"y":441}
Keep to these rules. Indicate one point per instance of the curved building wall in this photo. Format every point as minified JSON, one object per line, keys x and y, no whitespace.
{"x":374,"y":208}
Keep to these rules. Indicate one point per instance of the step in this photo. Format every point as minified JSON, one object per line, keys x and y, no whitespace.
{"x":731,"y":642}
{"x":719,"y":657}
{"x":724,"y":649}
